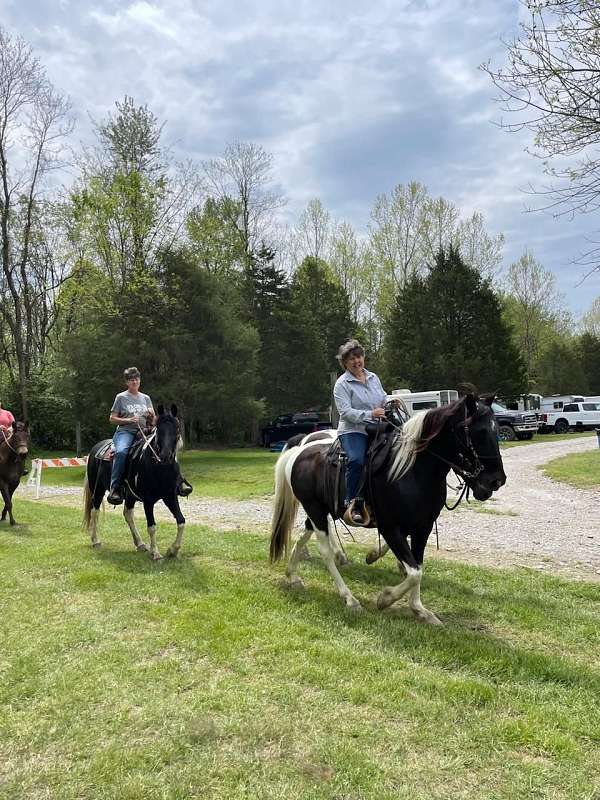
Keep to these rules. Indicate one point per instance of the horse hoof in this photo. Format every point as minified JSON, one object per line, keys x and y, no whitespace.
{"x":427,"y":618}
{"x":142,"y":548}
{"x":372,"y":556}
{"x":172,"y":552}
{"x":96,"y":544}
{"x":296,"y":582}
{"x":385,"y":599}
{"x":341,"y":559}
{"x":156,"y":557}
{"x":353,"y":605}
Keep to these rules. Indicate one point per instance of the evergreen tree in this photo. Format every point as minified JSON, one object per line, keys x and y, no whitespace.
{"x":447,"y":327}
{"x":589,"y":356}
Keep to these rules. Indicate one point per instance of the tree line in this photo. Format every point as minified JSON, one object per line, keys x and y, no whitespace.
{"x":187,"y":271}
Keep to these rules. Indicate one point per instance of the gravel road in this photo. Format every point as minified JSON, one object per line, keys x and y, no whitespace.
{"x":532,"y":521}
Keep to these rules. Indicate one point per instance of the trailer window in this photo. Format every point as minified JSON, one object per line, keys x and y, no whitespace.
{"x":424,"y":404}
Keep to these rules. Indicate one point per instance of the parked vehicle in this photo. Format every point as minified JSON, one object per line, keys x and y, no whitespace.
{"x":514,"y":424}
{"x":572,"y":416}
{"x":285,"y":426}
{"x":555,"y":402}
{"x":423,"y":401}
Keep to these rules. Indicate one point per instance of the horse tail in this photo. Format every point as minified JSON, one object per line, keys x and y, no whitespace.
{"x":87,"y":504}
{"x":285,"y":508}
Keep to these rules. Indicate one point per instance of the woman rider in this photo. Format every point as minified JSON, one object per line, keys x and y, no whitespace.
{"x":131,"y":411}
{"x":359,"y":398}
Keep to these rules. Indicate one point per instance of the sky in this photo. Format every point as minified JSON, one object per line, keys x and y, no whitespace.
{"x":351,"y":98}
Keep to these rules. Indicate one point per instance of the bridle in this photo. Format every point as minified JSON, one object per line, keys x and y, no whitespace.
{"x":470,"y":465}
{"x":148,"y":443}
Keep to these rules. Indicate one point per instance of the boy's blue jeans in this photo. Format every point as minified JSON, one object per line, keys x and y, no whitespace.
{"x":122,"y":441}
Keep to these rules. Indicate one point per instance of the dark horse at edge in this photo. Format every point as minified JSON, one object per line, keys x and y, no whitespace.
{"x":14,"y":446}
{"x":407,"y":494}
{"x":152,"y":474}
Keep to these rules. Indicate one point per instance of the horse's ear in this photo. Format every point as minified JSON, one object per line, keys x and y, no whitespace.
{"x":488,"y":399}
{"x":471,"y":403}
{"x":161,"y":410}
{"x":174,"y":410}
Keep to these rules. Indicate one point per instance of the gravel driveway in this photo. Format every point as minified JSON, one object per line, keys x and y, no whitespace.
{"x":532,"y":521}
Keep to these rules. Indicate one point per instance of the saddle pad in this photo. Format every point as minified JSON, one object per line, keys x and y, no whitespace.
{"x":105,"y":452}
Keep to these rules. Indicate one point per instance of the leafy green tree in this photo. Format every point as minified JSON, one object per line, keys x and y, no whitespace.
{"x":561,"y":370}
{"x":213,"y":238}
{"x":447,"y":327}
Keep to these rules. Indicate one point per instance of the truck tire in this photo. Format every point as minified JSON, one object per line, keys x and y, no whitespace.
{"x":561,"y":426}
{"x":506,"y":433}
{"x":525,"y":435}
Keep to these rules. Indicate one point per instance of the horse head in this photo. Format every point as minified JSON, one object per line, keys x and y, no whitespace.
{"x":19,"y":439}
{"x":167,"y":434}
{"x":476,"y":434}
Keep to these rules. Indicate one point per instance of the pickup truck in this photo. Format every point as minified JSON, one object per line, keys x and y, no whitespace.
{"x":572,"y":416}
{"x":514,"y":424}
{"x":287,"y":425}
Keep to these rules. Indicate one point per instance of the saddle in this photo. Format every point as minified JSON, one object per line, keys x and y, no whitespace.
{"x":105,"y":451}
{"x":381,"y":439}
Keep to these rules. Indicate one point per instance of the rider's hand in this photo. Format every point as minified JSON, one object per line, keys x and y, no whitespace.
{"x":378,"y":413}
{"x":135,"y":419}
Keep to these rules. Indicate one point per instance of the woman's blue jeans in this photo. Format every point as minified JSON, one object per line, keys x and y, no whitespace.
{"x":122,"y":441}
{"x":355,"y":447}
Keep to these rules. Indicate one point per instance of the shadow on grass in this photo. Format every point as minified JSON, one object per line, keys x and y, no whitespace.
{"x":466,"y":642}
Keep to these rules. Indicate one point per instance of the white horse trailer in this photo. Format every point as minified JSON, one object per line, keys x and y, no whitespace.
{"x":423,"y":401}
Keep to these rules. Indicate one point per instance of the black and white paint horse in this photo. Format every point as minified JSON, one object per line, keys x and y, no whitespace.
{"x":152,"y":474}
{"x":407,"y":495}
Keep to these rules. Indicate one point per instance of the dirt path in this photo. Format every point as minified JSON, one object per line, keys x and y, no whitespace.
{"x":532,"y":521}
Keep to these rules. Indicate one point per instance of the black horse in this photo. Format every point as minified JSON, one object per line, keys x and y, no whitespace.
{"x":407,"y":495}
{"x":14,"y":446}
{"x":152,"y":475}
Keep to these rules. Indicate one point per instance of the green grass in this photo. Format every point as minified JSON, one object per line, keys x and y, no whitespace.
{"x":202,"y":678}
{"x":577,"y":469}
{"x":236,"y":473}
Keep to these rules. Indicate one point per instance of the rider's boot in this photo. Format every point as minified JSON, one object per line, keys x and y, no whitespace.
{"x":115,"y":496}
{"x":184,"y":488}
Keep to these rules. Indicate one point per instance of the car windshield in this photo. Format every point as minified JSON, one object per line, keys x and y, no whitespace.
{"x":497,"y":408}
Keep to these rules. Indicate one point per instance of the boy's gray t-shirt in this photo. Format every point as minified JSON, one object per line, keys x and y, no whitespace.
{"x":128,"y":405}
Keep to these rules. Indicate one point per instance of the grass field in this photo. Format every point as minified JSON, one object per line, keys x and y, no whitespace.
{"x":202,"y":678}
{"x":577,"y":469}
{"x":235,"y":473}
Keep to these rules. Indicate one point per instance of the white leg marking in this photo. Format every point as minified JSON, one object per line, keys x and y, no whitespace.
{"x":391,"y":594}
{"x":94,"y":527}
{"x":324,"y":545}
{"x":173,"y":551}
{"x":154,"y":554}
{"x":295,"y":558}
{"x":418,"y":609}
{"x":130,"y":520}
{"x":341,"y":559}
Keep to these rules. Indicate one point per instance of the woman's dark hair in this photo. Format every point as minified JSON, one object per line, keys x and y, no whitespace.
{"x":131,"y":372}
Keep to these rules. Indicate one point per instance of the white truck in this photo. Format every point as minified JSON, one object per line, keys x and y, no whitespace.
{"x":578,"y":416}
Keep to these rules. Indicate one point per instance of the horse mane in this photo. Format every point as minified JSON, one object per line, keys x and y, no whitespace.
{"x":417,"y":433}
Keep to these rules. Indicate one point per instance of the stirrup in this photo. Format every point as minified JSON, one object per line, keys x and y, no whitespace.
{"x":115,"y":496}
{"x":354,"y":517}
{"x":185,"y":488}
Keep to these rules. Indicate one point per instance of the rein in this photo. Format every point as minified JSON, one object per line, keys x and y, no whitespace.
{"x":7,"y":441}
